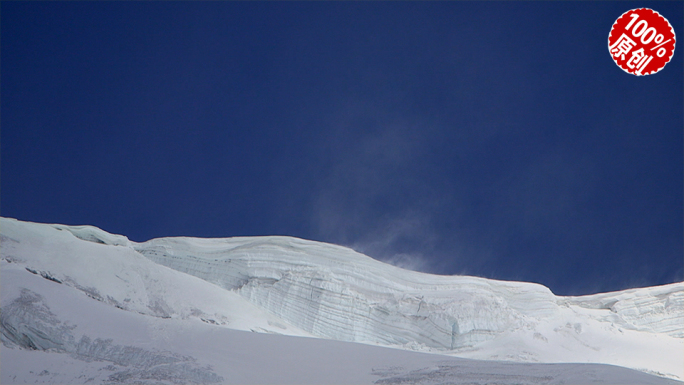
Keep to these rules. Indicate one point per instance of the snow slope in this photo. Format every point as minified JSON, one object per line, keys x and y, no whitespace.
{"x":336,"y":293}
{"x":175,"y":310}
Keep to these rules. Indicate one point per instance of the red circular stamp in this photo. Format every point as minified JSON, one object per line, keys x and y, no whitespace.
{"x":641,"y":41}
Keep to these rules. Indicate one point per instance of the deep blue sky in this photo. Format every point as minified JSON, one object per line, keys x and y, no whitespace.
{"x":496,"y":139}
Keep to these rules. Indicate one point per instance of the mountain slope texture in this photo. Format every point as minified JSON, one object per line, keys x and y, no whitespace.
{"x":82,"y":305}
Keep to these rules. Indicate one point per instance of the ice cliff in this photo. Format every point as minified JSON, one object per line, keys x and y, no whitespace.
{"x":291,"y":286}
{"x":334,"y":292}
{"x":337,"y":293}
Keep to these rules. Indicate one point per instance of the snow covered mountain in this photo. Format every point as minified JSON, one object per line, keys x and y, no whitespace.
{"x":81,"y":304}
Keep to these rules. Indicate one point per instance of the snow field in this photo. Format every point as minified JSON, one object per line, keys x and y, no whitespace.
{"x":171,"y":310}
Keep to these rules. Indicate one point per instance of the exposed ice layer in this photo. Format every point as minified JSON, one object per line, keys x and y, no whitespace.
{"x":125,"y":347}
{"x":120,"y":277}
{"x":334,"y":292}
{"x":658,"y":309}
{"x":28,"y":323}
{"x":93,"y":234}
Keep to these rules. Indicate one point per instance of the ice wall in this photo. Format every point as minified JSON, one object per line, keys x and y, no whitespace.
{"x":334,"y":292}
{"x":310,"y":288}
{"x":337,"y":293}
{"x":658,"y":309}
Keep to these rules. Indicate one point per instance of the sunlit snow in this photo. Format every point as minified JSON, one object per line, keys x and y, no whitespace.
{"x":82,"y":305}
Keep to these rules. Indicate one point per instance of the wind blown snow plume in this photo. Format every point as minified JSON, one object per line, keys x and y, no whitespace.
{"x":86,"y":305}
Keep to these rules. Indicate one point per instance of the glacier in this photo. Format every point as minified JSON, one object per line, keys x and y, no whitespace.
{"x":298,"y":288}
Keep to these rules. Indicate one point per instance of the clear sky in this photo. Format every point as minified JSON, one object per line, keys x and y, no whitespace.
{"x":496,"y":139}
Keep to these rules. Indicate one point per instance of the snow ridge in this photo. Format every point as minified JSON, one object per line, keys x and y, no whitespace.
{"x":290,"y":286}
